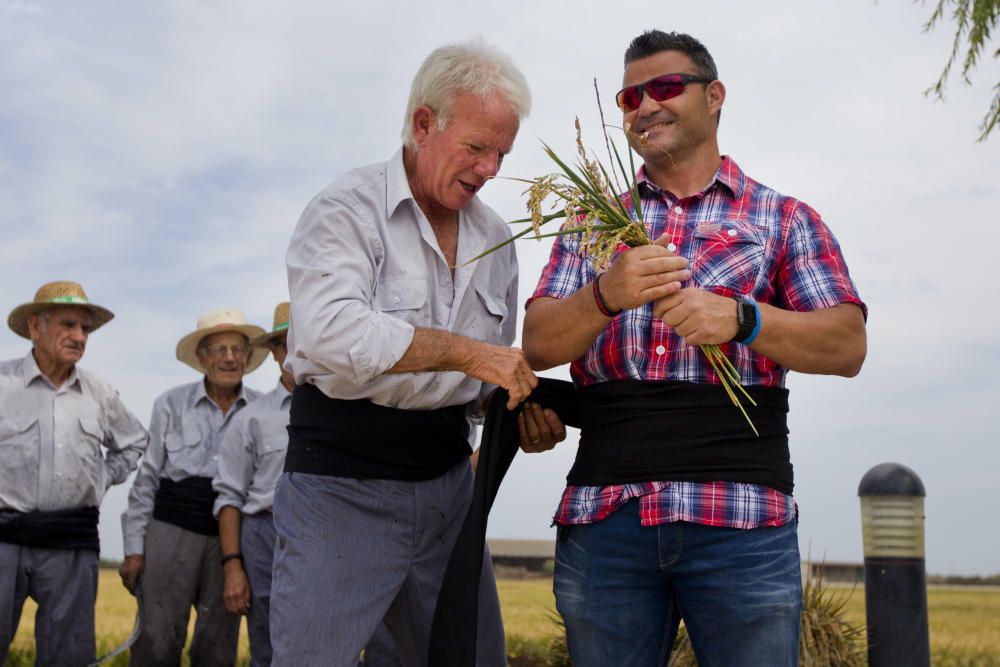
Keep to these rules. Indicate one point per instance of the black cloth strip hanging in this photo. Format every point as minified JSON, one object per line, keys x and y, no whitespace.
{"x":453,"y":632}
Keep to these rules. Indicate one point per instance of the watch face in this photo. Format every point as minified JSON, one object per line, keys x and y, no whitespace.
{"x":746,"y":315}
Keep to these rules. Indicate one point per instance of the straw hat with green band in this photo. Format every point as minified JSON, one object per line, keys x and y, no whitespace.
{"x":280,"y":327}
{"x":220,"y":321}
{"x":53,"y":295}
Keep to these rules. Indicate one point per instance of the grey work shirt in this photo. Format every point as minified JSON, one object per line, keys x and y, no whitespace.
{"x":252,"y":454}
{"x":365,"y":269}
{"x":61,"y":448}
{"x":185,"y":432}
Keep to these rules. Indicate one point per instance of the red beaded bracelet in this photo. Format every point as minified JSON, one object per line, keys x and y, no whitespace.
{"x":601,"y":306}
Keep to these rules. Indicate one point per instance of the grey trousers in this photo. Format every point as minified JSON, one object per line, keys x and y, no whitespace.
{"x":257,"y":545}
{"x":64,"y":584}
{"x":182,"y":569}
{"x":351,"y":552}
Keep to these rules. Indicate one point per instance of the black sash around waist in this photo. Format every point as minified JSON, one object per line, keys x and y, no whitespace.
{"x":59,"y":529}
{"x":634,"y":431}
{"x":359,"y":439}
{"x":607,"y":410}
{"x":187,"y":504}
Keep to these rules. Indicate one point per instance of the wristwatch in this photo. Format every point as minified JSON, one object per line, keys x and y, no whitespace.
{"x":747,"y":314}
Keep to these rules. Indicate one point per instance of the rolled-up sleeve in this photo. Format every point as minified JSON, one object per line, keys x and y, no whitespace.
{"x":235,"y":466}
{"x":331,"y":263}
{"x":143,"y":494}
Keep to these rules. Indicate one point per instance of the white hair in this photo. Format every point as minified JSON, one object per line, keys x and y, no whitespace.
{"x":469,"y":67}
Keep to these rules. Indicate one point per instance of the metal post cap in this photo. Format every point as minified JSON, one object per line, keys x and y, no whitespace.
{"x":891,"y":479}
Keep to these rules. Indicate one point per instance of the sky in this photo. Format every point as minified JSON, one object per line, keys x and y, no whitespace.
{"x":161,"y":153}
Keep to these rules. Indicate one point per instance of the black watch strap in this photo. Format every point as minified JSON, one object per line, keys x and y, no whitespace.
{"x":746,"y":315}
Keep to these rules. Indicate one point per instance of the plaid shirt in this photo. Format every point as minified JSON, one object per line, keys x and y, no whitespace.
{"x":740,"y":238}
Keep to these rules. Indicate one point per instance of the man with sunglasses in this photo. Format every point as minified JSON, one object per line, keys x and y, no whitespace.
{"x":674,"y":508}
{"x":172,"y":550}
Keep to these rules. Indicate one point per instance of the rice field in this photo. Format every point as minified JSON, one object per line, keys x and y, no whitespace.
{"x":964,"y":622}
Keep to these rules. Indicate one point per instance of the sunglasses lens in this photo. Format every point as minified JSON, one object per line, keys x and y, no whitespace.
{"x":629,"y":99}
{"x":664,"y":88}
{"x":660,"y":89}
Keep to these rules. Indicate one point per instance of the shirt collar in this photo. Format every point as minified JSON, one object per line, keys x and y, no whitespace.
{"x":397,"y":187}
{"x":471,"y":218}
{"x":729,"y":175}
{"x":31,"y":372}
{"x":201,"y":394}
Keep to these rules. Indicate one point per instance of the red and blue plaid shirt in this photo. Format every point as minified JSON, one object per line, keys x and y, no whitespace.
{"x":741,"y":238}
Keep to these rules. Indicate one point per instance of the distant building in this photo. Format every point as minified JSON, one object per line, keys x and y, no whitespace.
{"x":528,"y":555}
{"x":847,"y":573}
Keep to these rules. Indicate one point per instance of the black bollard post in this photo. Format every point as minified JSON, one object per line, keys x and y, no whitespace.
{"x":892,"y":519}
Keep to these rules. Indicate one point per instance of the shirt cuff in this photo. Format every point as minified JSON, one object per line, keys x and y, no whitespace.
{"x":381,"y":349}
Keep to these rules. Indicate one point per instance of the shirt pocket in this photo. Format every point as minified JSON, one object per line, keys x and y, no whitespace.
{"x":493,"y":313}
{"x":728,"y":255}
{"x":19,"y":451}
{"x":404,"y":297}
{"x":182,"y":447}
{"x":91,"y":437}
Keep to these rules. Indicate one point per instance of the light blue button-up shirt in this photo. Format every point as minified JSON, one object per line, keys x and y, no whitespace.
{"x":61,"y":448}
{"x":252,"y":454}
{"x":365,"y":269}
{"x":185,"y":433}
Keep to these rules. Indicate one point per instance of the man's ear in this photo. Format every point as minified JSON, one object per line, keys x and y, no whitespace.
{"x":34,"y":327}
{"x":715,"y":94}
{"x":423,"y":122}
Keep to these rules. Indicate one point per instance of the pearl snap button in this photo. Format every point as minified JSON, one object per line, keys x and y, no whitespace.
{"x":678,"y":210}
{"x":660,"y":350}
{"x":732,"y":232}
{"x":672,"y":247}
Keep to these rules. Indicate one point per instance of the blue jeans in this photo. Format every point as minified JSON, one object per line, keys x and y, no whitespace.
{"x":623,"y":588}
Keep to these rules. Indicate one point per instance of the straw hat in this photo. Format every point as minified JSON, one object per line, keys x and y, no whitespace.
{"x":218,"y":321}
{"x":280,"y":327}
{"x":52,"y":295}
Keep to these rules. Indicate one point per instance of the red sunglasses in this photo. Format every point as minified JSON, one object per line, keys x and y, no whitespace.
{"x":661,"y":88}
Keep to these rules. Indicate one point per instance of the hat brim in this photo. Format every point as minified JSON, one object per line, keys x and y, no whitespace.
{"x":18,"y":318}
{"x":265,"y":340}
{"x":187,"y":348}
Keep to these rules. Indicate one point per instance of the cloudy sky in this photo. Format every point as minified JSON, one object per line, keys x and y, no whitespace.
{"x":160,"y":153}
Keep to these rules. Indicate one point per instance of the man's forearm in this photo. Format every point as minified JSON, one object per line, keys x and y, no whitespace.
{"x":828,"y":341}
{"x":558,"y":331}
{"x":436,"y":350}
{"x":229,"y":530}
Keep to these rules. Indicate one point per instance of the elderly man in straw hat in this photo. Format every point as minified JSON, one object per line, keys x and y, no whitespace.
{"x":396,"y":338}
{"x":55,"y":418}
{"x":172,"y":548}
{"x":250,"y":459}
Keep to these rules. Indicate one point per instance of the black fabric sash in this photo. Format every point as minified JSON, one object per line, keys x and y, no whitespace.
{"x":187,"y":504}
{"x":634,"y":431}
{"x":59,"y":529}
{"x":453,"y":633}
{"x":359,"y":439}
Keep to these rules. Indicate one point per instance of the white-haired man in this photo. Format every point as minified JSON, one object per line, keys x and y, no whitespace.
{"x":65,"y":437}
{"x":395,"y":340}
{"x":172,"y":548}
